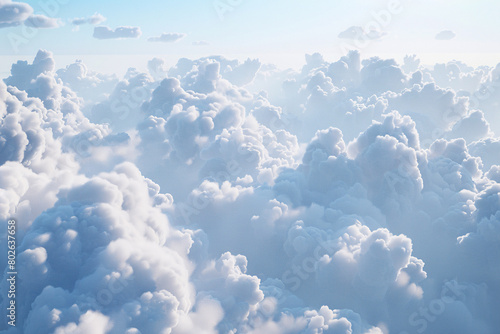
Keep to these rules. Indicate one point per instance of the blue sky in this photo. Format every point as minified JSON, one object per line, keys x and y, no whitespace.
{"x":269,"y":29}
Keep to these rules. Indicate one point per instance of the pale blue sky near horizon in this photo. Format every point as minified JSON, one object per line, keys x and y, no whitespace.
{"x":280,"y":30}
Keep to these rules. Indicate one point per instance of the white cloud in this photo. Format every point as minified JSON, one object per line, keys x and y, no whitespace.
{"x":16,"y":13}
{"x":89,"y":322}
{"x":445,"y":35}
{"x":486,"y":149}
{"x":13,"y":13}
{"x":41,"y":21}
{"x":167,"y":37}
{"x":103,"y":32}
{"x":472,"y":128}
{"x":93,"y":87}
{"x":93,"y":20}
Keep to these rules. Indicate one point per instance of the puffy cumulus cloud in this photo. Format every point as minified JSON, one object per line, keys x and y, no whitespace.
{"x":483,"y":240}
{"x":204,"y":319}
{"x":472,"y":128}
{"x":456,"y":151}
{"x":339,"y":94}
{"x":445,"y":35}
{"x":259,"y":154}
{"x":170,"y":37}
{"x":45,"y":133}
{"x":486,"y":97}
{"x":410,"y":64}
{"x":122,"y":240}
{"x":244,"y":73}
{"x":376,"y":265}
{"x":379,"y":75}
{"x":40,"y":80}
{"x":227,"y":281}
{"x":32,"y":159}
{"x":244,"y":229}
{"x":93,"y":20}
{"x":220,"y":196}
{"x":323,"y":320}
{"x":41,"y":21}
{"x":326,"y":148}
{"x":23,"y":73}
{"x":331,"y":94}
{"x":13,"y":13}
{"x":157,"y":69}
{"x":459,"y":77}
{"x":486,"y":149}
{"x":91,"y":86}
{"x":121,"y":110}
{"x":232,"y":70}
{"x":390,"y":163}
{"x":342,"y":94}
{"x":481,"y":244}
{"x":204,"y":78}
{"x":435,"y":110}
{"x":89,"y":322}
{"x":494,"y":173}
{"x":214,"y":145}
{"x":374,"y":165}
{"x":400,"y":127}
{"x":103,"y":32}
{"x":200,"y":123}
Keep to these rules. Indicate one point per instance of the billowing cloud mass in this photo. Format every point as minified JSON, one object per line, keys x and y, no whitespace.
{"x":94,"y":19}
{"x":103,"y":32}
{"x":357,"y":196}
{"x":167,"y":37}
{"x":445,"y":35}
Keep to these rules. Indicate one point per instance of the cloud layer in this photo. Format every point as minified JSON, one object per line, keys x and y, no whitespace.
{"x":220,"y":196}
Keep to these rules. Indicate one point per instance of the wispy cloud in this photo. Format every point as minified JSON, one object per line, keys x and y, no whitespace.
{"x":168,"y":37}
{"x":103,"y":32}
